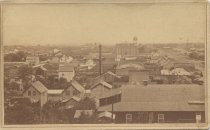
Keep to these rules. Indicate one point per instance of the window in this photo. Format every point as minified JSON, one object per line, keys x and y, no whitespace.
{"x":128,"y":118}
{"x":29,"y":93}
{"x":34,"y":93}
{"x":198,"y":117}
{"x":161,"y":118}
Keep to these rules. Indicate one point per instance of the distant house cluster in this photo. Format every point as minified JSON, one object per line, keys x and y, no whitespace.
{"x":132,"y":83}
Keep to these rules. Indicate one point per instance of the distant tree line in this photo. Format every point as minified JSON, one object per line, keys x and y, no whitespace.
{"x":20,"y":56}
{"x":195,"y":55}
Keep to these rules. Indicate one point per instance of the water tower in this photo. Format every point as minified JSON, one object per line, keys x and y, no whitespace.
{"x":135,"y":39}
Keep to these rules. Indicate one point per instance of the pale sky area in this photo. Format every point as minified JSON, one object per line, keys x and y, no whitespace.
{"x":103,"y":23}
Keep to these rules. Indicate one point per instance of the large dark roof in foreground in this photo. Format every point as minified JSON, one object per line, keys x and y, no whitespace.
{"x":159,"y":98}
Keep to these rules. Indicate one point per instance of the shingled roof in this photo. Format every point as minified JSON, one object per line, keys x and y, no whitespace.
{"x":74,"y":98}
{"x":100,"y":81}
{"x":39,"y":86}
{"x":55,"y":91}
{"x":65,"y":68}
{"x":160,"y":98}
{"x":77,"y":86}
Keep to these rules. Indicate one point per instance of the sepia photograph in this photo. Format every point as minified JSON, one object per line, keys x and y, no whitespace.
{"x":107,"y":63}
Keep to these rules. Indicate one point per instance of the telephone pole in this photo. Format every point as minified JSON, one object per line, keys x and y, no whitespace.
{"x":100,"y":60}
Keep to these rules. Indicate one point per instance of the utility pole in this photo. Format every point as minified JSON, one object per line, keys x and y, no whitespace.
{"x":113,"y":106}
{"x":100,"y":60}
{"x":100,"y":73}
{"x":112,"y":112}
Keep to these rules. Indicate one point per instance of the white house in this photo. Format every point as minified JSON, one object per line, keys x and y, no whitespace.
{"x":66,"y":72}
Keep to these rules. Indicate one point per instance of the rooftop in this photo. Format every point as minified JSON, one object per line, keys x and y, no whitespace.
{"x":159,"y":98}
{"x":55,"y":91}
{"x":39,"y":86}
{"x":136,"y":66}
{"x":51,"y":68}
{"x":32,"y":57}
{"x":74,"y":98}
{"x":77,"y":86}
{"x":176,"y":71}
{"x":78,"y":113}
{"x":40,"y":66}
{"x":111,"y":73}
{"x":63,"y":68}
{"x":100,"y":81}
{"x":106,"y":114}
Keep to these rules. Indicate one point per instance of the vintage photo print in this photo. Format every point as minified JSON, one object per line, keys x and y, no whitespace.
{"x":105,"y":64}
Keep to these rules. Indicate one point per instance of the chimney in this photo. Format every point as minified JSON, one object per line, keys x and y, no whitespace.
{"x":100,"y":60}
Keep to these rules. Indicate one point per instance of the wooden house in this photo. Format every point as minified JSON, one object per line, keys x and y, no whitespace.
{"x":159,"y":104}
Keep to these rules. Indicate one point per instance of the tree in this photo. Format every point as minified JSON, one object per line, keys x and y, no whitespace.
{"x":53,"y":83}
{"x":43,"y":57}
{"x":65,"y":116}
{"x":86,"y":104}
{"x":63,"y":83}
{"x":25,"y":71}
{"x":49,"y":112}
{"x":13,"y":86}
{"x":22,"y":112}
{"x":20,"y":56}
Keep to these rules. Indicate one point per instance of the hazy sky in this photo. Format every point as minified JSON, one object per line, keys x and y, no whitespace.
{"x":102,"y":23}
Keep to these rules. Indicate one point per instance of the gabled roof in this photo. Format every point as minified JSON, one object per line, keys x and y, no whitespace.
{"x":136,"y":66}
{"x":180,"y":71}
{"x":74,"y":98}
{"x":104,"y":83}
{"x":55,"y":91}
{"x":59,"y":54}
{"x":175,"y":71}
{"x":73,"y":63}
{"x":40,"y":66}
{"x":87,"y":91}
{"x":165,"y":72}
{"x":111,"y":93}
{"x":77,"y":86}
{"x":159,"y":98}
{"x":78,"y":113}
{"x":32,"y":57}
{"x":63,"y":68}
{"x":44,"y":69}
{"x":98,"y":79}
{"x":39,"y":86}
{"x":111,"y":73}
{"x":65,"y":100}
{"x":51,"y":68}
{"x":106,"y":114}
